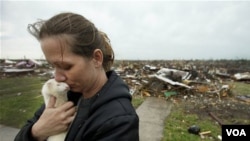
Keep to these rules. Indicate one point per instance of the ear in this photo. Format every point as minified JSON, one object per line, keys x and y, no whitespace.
{"x":97,"y":57}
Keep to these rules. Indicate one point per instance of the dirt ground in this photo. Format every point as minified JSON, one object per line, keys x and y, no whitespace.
{"x":228,"y":110}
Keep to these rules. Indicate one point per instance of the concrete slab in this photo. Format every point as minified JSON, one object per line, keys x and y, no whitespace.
{"x":7,"y":133}
{"x":152,"y":114}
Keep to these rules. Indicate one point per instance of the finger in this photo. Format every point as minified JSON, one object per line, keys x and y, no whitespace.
{"x":52,"y":102}
{"x":71,"y":111}
{"x":66,"y":106}
{"x":69,"y":120}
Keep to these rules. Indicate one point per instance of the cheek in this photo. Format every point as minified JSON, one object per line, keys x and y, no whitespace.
{"x":78,"y":73}
{"x":86,"y":77}
{"x":81,"y":71}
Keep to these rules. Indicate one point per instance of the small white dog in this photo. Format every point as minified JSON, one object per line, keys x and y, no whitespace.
{"x":58,"y":90}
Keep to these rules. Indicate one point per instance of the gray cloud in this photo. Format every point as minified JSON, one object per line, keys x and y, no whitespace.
{"x":141,"y":30}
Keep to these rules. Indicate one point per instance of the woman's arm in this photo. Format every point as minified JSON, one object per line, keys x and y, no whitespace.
{"x":47,"y":121}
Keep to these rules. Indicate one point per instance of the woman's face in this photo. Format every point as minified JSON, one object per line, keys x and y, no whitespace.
{"x":78,"y":72}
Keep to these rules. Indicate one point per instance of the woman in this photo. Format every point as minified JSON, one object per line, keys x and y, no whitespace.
{"x":99,"y":106}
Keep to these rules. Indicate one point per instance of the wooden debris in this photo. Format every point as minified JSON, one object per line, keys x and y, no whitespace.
{"x":202,"y":134}
{"x":216,"y":118}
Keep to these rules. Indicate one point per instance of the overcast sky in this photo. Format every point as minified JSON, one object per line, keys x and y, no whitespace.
{"x":139,"y":29}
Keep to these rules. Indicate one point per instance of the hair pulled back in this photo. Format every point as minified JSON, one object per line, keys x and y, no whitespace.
{"x":86,"y":37}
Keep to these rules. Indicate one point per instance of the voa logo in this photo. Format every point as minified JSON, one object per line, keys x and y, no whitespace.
{"x":236,"y":132}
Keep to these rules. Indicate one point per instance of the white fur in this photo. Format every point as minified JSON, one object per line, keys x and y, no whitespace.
{"x":59,"y":90}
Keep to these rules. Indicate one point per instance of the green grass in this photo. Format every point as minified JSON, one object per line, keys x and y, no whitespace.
{"x":240,"y":88}
{"x":178,"y":122}
{"x":19,"y":98}
{"x":137,"y":101}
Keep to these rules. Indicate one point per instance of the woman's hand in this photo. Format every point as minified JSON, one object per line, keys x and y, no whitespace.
{"x":53,"y":120}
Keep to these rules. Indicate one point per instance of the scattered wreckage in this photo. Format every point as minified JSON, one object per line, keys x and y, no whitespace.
{"x":157,"y":78}
{"x":166,"y":80}
{"x":25,"y":66}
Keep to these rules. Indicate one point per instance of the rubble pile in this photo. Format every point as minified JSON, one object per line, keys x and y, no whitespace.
{"x":11,"y":68}
{"x":175,"y":77}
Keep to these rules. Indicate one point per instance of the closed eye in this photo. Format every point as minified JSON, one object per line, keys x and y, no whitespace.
{"x":61,"y":65}
{"x":66,"y":67}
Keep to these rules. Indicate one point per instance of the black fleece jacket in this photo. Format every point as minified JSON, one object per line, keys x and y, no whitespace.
{"x":111,"y":116}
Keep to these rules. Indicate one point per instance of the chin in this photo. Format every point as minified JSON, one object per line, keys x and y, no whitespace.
{"x":75,"y":90}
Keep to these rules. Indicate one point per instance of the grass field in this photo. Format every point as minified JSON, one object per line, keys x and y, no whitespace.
{"x":19,"y":98}
{"x":178,"y":122}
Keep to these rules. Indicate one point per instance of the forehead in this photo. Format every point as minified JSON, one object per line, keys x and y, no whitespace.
{"x":57,"y":49}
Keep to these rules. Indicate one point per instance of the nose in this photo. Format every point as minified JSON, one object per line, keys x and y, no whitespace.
{"x":59,"y":75}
